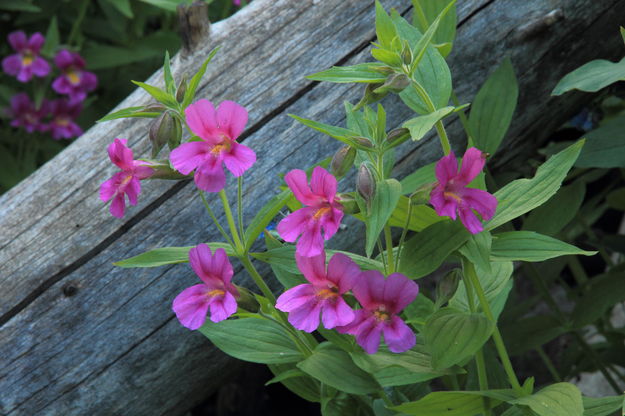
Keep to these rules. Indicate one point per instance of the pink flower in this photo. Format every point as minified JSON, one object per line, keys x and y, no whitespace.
{"x":451,"y":194}
{"x":74,"y":80}
{"x":321,"y":210}
{"x":25,"y":114}
{"x":62,"y":125}
{"x":382,"y":299}
{"x":218,"y":130}
{"x":125,"y":182}
{"x":217,"y":293}
{"x":323,"y":295}
{"x":26,"y":62}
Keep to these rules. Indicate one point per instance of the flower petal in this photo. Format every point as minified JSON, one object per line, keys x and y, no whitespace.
{"x":189,"y":156}
{"x":294,"y":224}
{"x":446,"y":168}
{"x":64,"y":59}
{"x":296,"y":297}
{"x":313,"y":268}
{"x":481,"y":201}
{"x":239,"y":159}
{"x":306,"y":317}
{"x":222,"y":308}
{"x":35,"y":42}
{"x":191,"y":306}
{"x":470,"y":221}
{"x":398,"y":336}
{"x":120,"y":154}
{"x":444,"y":206}
{"x":201,"y":118}
{"x":221,"y":266}
{"x":298,"y":183}
{"x":210,"y":176}
{"x":232,"y":118}
{"x":118,"y":206}
{"x":108,"y":189}
{"x":342,"y":271}
{"x":18,"y":40}
{"x":12,"y":64}
{"x":311,"y":242}
{"x":330,"y":222}
{"x":200,"y":259}
{"x":133,"y":189}
{"x":472,"y":164}
{"x":41,"y":67}
{"x":399,"y":292}
{"x":323,"y":183}
{"x":368,"y":336}
{"x":369,"y":289}
{"x":337,"y":313}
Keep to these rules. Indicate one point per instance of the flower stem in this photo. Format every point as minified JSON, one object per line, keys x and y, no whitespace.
{"x":214,"y":218}
{"x":389,"y":248}
{"x":403,"y":233}
{"x":381,"y":250}
{"x":549,"y":364}
{"x":440,"y":128}
{"x":240,"y":205}
{"x":463,"y":119}
{"x":233,"y":228}
{"x":258,"y":279}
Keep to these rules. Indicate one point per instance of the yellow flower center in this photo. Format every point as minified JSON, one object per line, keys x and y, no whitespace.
{"x":330,"y":292}
{"x":73,"y":76}
{"x":321,"y":212}
{"x":215,"y":292}
{"x":27,"y":59}
{"x":381,"y":314}
{"x":62,"y":121}
{"x":224,"y":146}
{"x":448,"y":194}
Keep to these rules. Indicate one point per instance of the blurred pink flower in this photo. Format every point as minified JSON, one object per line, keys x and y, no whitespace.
{"x":382,"y":299}
{"x":25,"y":114}
{"x":217,"y":292}
{"x":26,"y":62}
{"x":64,"y":114}
{"x":218,"y":130}
{"x":321,"y":210}
{"x":74,"y":80}
{"x":451,"y":194}
{"x":125,"y":182}
{"x":322,"y":295}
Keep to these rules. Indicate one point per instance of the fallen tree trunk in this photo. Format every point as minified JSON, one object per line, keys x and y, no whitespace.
{"x":80,"y":336}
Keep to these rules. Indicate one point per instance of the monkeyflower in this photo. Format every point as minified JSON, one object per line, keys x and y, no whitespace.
{"x":321,"y":211}
{"x":322,"y":295}
{"x":74,"y":81}
{"x":217,"y":292}
{"x":26,"y":115}
{"x":26,"y":62}
{"x":125,"y":182}
{"x":451,"y":194}
{"x":64,"y":114}
{"x":218,"y":130}
{"x":381,"y":300}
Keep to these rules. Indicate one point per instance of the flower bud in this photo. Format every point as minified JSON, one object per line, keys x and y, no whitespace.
{"x":422,"y":194}
{"x":394,"y":83}
{"x":406,"y":55}
{"x":163,"y":170}
{"x":153,"y":108}
{"x":370,"y":96}
{"x":365,"y":183}
{"x":447,"y":287}
{"x":246,"y":299}
{"x":182,"y":89}
{"x":386,"y":70}
{"x":165,"y":129}
{"x":342,"y":161}
{"x":350,"y":206}
{"x":397,"y":136}
{"x":363,"y":141}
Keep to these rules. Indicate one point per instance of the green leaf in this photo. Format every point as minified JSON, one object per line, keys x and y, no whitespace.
{"x":528,"y":333}
{"x":426,"y":251}
{"x":292,"y":373}
{"x":454,"y":336}
{"x":477,"y":250}
{"x":53,"y":38}
{"x":287,"y":278}
{"x":531,"y":246}
{"x":166,"y":255}
{"x":258,"y":340}
{"x":602,"y":406}
{"x":387,"y":195}
{"x":129,"y":112}
{"x":493,"y":107}
{"x":605,"y":146}
{"x":419,"y":311}
{"x":560,"y":399}
{"x":338,"y":133}
{"x":170,"y":85}
{"x":422,"y":176}
{"x":158,"y":94}
{"x":169,"y":5}
{"x":19,"y":6}
{"x":550,"y":218}
{"x":425,"y":13}
{"x":419,"y":126}
{"x":264,"y":216}
{"x":592,"y":76}
{"x":523,"y":195}
{"x":189,"y":94}
{"x":123,"y":6}
{"x":334,"y":367}
{"x":421,"y":217}
{"x":384,"y":28}
{"x":356,"y":73}
{"x":454,"y":403}
{"x":599,"y":295}
{"x":306,"y":387}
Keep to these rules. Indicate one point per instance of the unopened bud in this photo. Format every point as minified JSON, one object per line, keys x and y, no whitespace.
{"x":422,"y":194}
{"x":406,"y":55}
{"x":386,"y":70}
{"x":246,"y":300}
{"x":165,"y":129}
{"x":182,"y":89}
{"x":342,"y":161}
{"x":370,"y":96}
{"x":394,"y":83}
{"x":397,"y":136}
{"x":350,"y":206}
{"x":363,"y":141}
{"x":365,"y":183}
{"x":447,"y":287}
{"x":153,"y":108}
{"x":163,"y":170}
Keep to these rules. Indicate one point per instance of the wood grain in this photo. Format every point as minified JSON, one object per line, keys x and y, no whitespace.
{"x":80,"y":336}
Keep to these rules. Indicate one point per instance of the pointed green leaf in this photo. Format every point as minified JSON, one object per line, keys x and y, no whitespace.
{"x":158,"y":94}
{"x":602,"y":406}
{"x":560,"y":399}
{"x":421,"y":216}
{"x":129,"y":112}
{"x":419,"y":126}
{"x":426,"y":11}
{"x":531,"y":246}
{"x":550,"y":218}
{"x":356,"y":73}
{"x":454,"y":403}
{"x":592,"y":76}
{"x":170,"y":86}
{"x":384,"y":28}
{"x":453,"y":336}
{"x":53,"y":38}
{"x":189,"y":94}
{"x":477,"y":250}
{"x":493,"y":107}
{"x":339,"y":133}
{"x":387,"y":195}
{"x":523,"y":195}
{"x":599,"y":295}
{"x":264,"y":216}
{"x":123,"y":6}
{"x":306,"y":387}
{"x":605,"y":146}
{"x":166,"y":255}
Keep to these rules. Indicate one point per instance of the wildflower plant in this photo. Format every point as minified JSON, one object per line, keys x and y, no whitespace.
{"x":355,"y":332}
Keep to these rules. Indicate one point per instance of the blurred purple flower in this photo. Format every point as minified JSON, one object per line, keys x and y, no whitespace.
{"x":64,"y":113}
{"x":26,"y":115}
{"x":74,"y":80}
{"x":26,"y":62}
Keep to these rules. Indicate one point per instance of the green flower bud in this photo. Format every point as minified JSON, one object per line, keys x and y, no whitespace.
{"x":342,"y":161}
{"x":397,"y":136}
{"x":246,"y":299}
{"x":422,"y":194}
{"x":370,"y":96}
{"x":182,"y":89}
{"x":365,"y":183}
{"x":165,"y":129}
{"x":350,"y":206}
{"x":394,"y":83}
{"x":363,"y":141}
{"x":163,"y":170}
{"x":153,"y":108}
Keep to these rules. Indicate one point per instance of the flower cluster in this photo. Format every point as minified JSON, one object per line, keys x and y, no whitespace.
{"x":57,"y":116}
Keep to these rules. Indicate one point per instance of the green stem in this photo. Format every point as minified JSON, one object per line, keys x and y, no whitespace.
{"x":549,"y":364}
{"x":381,"y":250}
{"x":404,"y":232}
{"x":258,"y":279}
{"x":78,"y":22}
{"x":578,"y":270}
{"x":442,"y":134}
{"x":463,"y":119}
{"x":590,"y":233}
{"x":499,"y":344}
{"x":233,"y":228}
{"x":214,"y":218}
{"x":389,"y":248}
{"x":240,"y":205}
{"x":440,"y":128}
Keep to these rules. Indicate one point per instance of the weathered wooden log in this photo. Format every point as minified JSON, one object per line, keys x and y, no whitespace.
{"x":80,"y":336}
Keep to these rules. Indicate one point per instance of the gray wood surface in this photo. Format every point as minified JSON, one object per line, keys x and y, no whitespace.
{"x":80,"y":336}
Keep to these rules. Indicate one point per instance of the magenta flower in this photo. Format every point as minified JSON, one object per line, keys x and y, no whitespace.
{"x":306,"y":302}
{"x":451,"y":194}
{"x":125,"y":182}
{"x":74,"y":80}
{"x":321,"y":211}
{"x":218,"y":130}
{"x":26,"y":62}
{"x":382,"y":299}
{"x":64,"y":113}
{"x":217,"y":293}
{"x":25,"y":114}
